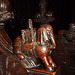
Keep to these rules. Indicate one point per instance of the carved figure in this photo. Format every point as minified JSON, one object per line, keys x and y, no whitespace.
{"x":31,"y":45}
{"x":37,"y":44}
{"x":71,"y":32}
{"x":43,"y":16}
{"x":68,"y":35}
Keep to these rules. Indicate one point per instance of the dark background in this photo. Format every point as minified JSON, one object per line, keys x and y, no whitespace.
{"x":63,"y":11}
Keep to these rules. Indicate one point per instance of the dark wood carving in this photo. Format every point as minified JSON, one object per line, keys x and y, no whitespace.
{"x":23,"y":56}
{"x":5,"y":11}
{"x":38,"y":47}
{"x":65,"y":50}
{"x":70,"y":35}
{"x":43,"y":16}
{"x":27,"y":48}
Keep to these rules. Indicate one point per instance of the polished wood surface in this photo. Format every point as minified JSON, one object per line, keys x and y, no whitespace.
{"x":23,"y":56}
{"x":38,"y":47}
{"x":28,"y":52}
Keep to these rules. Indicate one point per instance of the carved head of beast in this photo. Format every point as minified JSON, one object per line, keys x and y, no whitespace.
{"x":36,"y":44}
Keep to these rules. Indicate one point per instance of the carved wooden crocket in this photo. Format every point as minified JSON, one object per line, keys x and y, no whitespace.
{"x":36,"y":43}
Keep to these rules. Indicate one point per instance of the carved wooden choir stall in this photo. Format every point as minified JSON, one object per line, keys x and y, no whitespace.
{"x":22,"y":56}
{"x":36,"y":51}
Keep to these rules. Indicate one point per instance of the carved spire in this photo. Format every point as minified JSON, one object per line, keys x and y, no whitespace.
{"x":43,"y":16}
